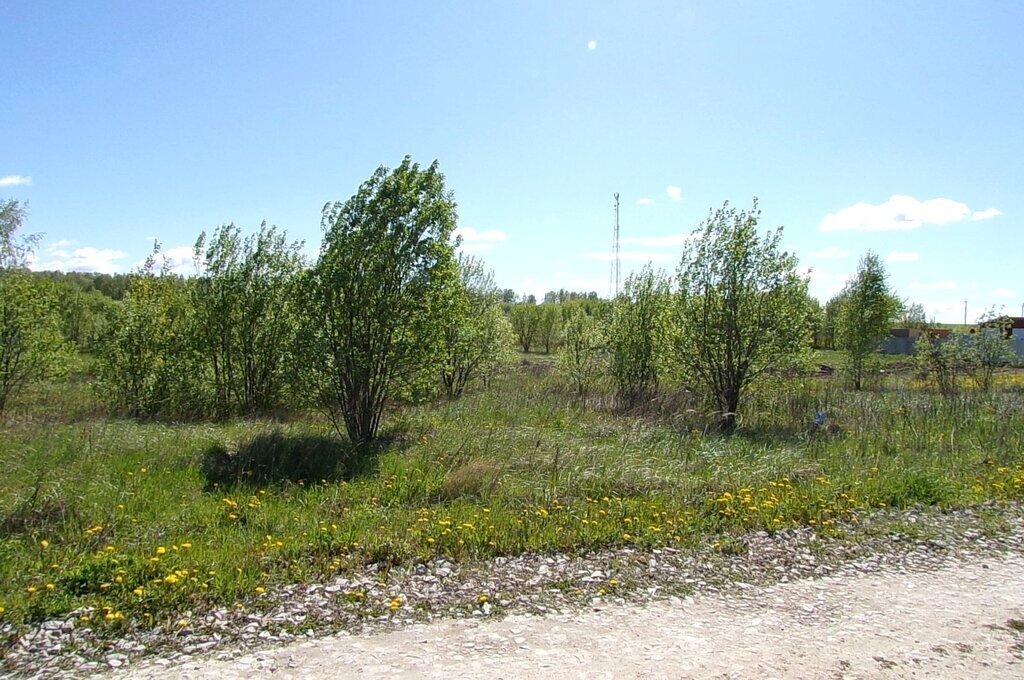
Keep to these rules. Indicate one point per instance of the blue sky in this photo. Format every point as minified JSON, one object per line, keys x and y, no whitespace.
{"x":892,"y":126}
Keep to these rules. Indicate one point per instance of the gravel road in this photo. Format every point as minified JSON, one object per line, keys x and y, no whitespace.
{"x":962,"y":620}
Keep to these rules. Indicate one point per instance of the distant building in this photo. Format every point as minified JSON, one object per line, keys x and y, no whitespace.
{"x":902,"y":340}
{"x":1013,"y":326}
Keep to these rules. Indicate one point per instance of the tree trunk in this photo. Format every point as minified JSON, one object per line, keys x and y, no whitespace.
{"x":730,"y":402}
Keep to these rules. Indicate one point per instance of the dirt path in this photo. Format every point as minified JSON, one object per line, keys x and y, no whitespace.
{"x":953,"y":623}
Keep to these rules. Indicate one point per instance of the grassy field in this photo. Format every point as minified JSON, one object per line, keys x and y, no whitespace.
{"x":136,"y":523}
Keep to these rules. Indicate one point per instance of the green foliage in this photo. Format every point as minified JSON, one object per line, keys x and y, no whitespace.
{"x":741,"y":311}
{"x":478,"y":340}
{"x":943,"y":360}
{"x":549,"y":325}
{"x":147,"y":365}
{"x":85,"y":316}
{"x":912,"y":315}
{"x":376,"y":295}
{"x":525,"y":318}
{"x":15,"y":248}
{"x":583,"y":359}
{"x":815,"y":322}
{"x":866,"y":314}
{"x":990,"y":349}
{"x":32,"y":346}
{"x":31,"y":343}
{"x":829,"y":321}
{"x":951,"y":362}
{"x":639,"y":336}
{"x":244,"y":317}
{"x":561,"y":296}
{"x":111,"y":286}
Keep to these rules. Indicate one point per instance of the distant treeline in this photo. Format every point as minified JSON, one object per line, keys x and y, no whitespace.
{"x":112,"y":286}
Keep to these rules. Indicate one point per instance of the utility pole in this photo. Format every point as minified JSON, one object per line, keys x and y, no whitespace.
{"x":965,"y":312}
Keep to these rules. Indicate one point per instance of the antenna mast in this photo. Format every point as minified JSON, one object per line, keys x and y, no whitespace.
{"x":616,"y":263}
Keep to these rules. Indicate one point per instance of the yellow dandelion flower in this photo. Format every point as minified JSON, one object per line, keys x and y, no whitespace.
{"x":260,"y":590}
{"x":161,"y":550}
{"x":137,"y":592}
{"x":44,"y":544}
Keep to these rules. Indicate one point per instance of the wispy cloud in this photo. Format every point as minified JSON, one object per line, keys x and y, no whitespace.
{"x":674,"y":193}
{"x":901,"y":213}
{"x":897,"y":256}
{"x":670,"y":241}
{"x":829,"y":252}
{"x":1005,"y":293}
{"x":15,"y":181}
{"x":824,"y":283}
{"x":592,"y":45}
{"x":985,"y":214}
{"x":644,"y":201}
{"x":950,"y":310}
{"x":642,"y":257}
{"x":474,"y":241}
{"x":947,"y":284}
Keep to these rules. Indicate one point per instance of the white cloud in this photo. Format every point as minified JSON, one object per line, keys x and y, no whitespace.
{"x":830,"y":251}
{"x":675,"y":194}
{"x":644,"y":201}
{"x":897,"y":256}
{"x":15,"y":181}
{"x":1004,"y":293}
{"x":87,"y":259}
{"x":947,"y":284}
{"x":179,"y":260}
{"x":470,"y":248}
{"x":471,"y":235}
{"x":642,"y":257}
{"x":819,"y":275}
{"x":899,"y":213}
{"x":592,"y":45}
{"x":985,"y":214}
{"x":474,"y":241}
{"x":657,"y":241}
{"x":944,"y":311}
{"x":823,"y":283}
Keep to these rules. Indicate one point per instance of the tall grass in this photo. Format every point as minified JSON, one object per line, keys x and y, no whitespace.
{"x":117,"y":521}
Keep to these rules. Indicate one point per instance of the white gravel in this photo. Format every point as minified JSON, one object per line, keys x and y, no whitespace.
{"x":953,"y":622}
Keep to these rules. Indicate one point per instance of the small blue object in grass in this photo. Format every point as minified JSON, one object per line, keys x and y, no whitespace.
{"x":819,"y":418}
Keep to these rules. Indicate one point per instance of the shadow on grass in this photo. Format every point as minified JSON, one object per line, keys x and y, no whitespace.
{"x":276,"y":457}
